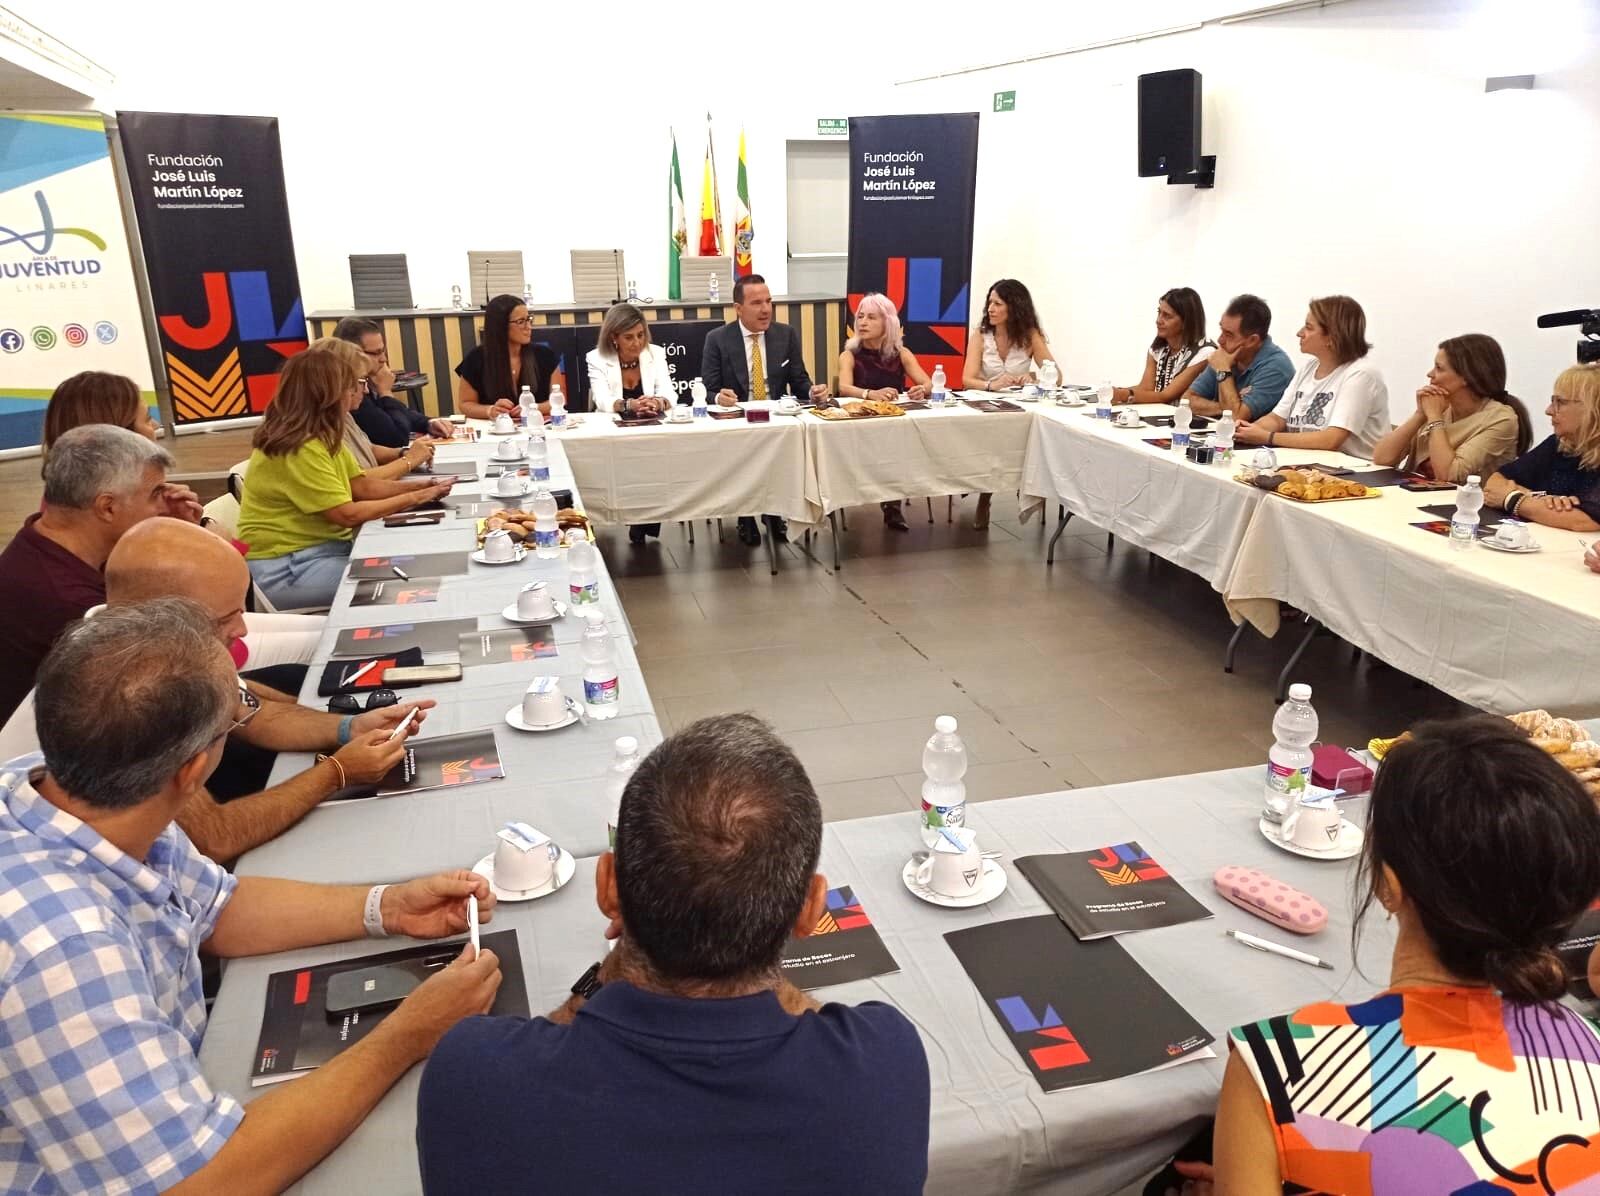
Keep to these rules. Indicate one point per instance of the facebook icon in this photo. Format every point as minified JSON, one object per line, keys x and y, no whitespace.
{"x":10,"y":340}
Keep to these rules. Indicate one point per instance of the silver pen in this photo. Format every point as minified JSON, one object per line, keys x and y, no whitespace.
{"x":398,"y":572}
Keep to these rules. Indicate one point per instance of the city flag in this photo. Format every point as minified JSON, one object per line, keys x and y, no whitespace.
{"x":744,"y":231}
{"x":710,"y":205}
{"x":677,"y":226}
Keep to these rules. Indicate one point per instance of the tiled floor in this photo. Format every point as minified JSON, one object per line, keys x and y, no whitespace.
{"x":1106,"y":668}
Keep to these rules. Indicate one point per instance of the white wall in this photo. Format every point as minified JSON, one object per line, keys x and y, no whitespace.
{"x":1357,"y":153}
{"x":1357,"y":150}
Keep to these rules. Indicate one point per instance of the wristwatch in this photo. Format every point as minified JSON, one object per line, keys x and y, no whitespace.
{"x":1221,"y":374}
{"x":589,"y":983}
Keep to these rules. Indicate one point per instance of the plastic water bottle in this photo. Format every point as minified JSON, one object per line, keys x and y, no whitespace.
{"x":529,"y":406}
{"x":527,"y":295}
{"x":1182,"y":421}
{"x":714,"y":290}
{"x":558,"y":408}
{"x":583,"y":579}
{"x":633,"y":290}
{"x":455,"y":297}
{"x":1105,"y":395}
{"x":1049,"y":376}
{"x":600,"y":686}
{"x":1464,"y":523}
{"x":944,"y":794}
{"x":1294,"y":730}
{"x":622,"y":766}
{"x":697,"y":399}
{"x":937,"y":394}
{"x":1222,"y":438}
{"x":538,"y":459}
{"x":546,"y":531}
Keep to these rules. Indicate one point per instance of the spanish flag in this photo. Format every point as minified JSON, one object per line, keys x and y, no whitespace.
{"x":710,"y":205}
{"x":744,"y":231}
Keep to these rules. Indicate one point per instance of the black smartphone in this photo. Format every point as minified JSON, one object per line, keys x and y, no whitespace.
{"x":369,"y":988}
{"x":421,"y":674}
{"x":414,"y":519}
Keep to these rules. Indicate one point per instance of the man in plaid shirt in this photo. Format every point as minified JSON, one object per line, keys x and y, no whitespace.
{"x":106,"y":906}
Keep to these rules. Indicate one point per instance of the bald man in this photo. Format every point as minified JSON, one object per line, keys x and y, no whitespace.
{"x":164,"y":558}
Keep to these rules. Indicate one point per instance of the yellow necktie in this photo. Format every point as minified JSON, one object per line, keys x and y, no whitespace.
{"x":758,"y":371}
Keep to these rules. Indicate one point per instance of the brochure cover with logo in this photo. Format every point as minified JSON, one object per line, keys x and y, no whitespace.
{"x":417,"y":564}
{"x":394,"y":592}
{"x":442,"y":762}
{"x":1076,"y":1012}
{"x":1110,"y":891}
{"x":506,"y":645}
{"x":298,"y":1034}
{"x":441,"y":635}
{"x":844,"y":947}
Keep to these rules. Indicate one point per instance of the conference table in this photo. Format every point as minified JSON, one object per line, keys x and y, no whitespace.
{"x":1496,"y":630}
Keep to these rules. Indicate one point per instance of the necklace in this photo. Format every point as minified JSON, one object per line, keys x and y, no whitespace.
{"x":630,"y":365}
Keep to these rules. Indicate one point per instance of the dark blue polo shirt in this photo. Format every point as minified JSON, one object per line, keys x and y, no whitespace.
{"x":654,"y":1094}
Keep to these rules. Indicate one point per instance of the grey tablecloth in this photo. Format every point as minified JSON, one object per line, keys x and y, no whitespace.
{"x":993,"y":1129}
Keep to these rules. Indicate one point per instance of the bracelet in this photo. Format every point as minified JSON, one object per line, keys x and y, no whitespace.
{"x":1513,"y":501}
{"x":1429,"y":427}
{"x":1272,"y":439}
{"x":345,"y":724}
{"x":372,"y":913}
{"x":331,"y":760}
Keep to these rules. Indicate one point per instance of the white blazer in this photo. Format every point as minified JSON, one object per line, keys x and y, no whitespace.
{"x":605,"y":377}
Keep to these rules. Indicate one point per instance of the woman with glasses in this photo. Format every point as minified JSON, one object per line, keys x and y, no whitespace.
{"x":492,"y":376}
{"x":377,"y":461}
{"x":304,"y":494}
{"x":1557,"y":483}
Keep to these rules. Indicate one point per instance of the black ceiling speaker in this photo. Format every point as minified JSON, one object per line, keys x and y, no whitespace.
{"x":1169,"y":128}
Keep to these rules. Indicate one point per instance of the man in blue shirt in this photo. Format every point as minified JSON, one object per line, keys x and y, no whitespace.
{"x":384,"y":418}
{"x":1248,"y":373}
{"x":688,"y":1064}
{"x":107,"y":906}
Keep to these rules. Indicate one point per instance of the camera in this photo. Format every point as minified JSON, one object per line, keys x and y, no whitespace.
{"x":1588,"y":321}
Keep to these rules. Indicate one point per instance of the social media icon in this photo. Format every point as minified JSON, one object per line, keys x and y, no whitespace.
{"x":43,"y":338}
{"x":105,"y":332}
{"x":76,"y":335}
{"x":10,"y":340}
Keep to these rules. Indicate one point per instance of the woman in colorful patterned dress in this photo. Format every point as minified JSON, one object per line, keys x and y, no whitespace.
{"x":1464,"y":1075}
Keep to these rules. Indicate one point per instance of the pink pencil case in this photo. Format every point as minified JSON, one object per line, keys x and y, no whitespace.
{"x":1267,"y":897}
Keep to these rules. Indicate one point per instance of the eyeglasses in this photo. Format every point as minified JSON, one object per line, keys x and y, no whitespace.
{"x":1558,"y":401}
{"x":351,"y":703}
{"x":522,"y":321}
{"x":252,"y":707}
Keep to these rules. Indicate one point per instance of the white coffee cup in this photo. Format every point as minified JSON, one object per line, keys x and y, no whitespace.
{"x":544,"y":703}
{"x":1513,"y":533}
{"x":1127,"y":418}
{"x":504,"y":423}
{"x":534,"y":601}
{"x":788,"y":404}
{"x":508,"y":483}
{"x":457,"y":418}
{"x":679,"y":414}
{"x":509,"y":449}
{"x":499,"y":546}
{"x":523,"y":858}
{"x":1313,"y":823}
{"x":954,"y":867}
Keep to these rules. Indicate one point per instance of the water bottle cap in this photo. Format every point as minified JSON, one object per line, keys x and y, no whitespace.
{"x":627,"y":745}
{"x":1183,"y":402}
{"x":1300,"y":693}
{"x":597,"y":618}
{"x":1473,"y":479}
{"x":945,"y":724}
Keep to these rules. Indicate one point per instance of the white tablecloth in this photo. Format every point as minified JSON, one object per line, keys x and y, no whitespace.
{"x":923,"y":453}
{"x":700,"y":470}
{"x":1502,"y":632}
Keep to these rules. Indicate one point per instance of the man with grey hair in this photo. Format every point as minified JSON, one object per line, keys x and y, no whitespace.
{"x":107,"y":906}
{"x":686,"y":1061}
{"x":99,"y":481}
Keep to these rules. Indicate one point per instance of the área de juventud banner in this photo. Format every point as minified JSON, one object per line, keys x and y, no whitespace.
{"x":214,"y":220}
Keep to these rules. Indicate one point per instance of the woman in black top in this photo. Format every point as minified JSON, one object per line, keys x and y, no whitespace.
{"x":506,"y":360}
{"x":1557,"y":483}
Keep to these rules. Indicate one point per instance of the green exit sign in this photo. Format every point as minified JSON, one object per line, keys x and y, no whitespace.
{"x":1005,"y":101}
{"x":833,"y":127}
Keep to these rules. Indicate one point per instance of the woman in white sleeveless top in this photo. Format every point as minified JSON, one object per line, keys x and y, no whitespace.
{"x":1006,"y":350}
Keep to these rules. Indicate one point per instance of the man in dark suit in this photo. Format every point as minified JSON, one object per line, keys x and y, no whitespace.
{"x":753,"y":347}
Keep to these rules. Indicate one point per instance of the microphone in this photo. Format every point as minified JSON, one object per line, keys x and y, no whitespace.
{"x":616,"y":270}
{"x":1559,"y":319}
{"x":486,"y":280}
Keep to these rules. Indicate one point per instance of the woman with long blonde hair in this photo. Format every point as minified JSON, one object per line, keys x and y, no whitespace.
{"x":304,"y":493}
{"x":876,"y":364}
{"x":1557,"y":483}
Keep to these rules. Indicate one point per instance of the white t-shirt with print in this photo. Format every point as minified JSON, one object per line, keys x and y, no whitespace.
{"x":1353,"y":397}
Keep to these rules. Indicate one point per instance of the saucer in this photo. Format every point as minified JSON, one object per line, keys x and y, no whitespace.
{"x":510,"y":614}
{"x":1129,"y":427}
{"x":1071,"y":401}
{"x":491,"y":493}
{"x":514,"y":717}
{"x":483,"y":560}
{"x":992,"y":885}
{"x":1491,"y":542}
{"x":496,"y":459}
{"x":494,"y":431}
{"x":1347,"y":845}
{"x":565,"y":867}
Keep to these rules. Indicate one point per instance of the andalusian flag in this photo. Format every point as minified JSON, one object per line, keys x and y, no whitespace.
{"x":677,"y":226}
{"x":744,"y":231}
{"x":710,"y":205}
